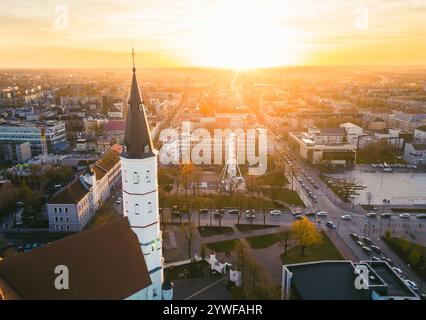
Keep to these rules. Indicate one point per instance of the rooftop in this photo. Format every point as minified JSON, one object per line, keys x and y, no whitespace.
{"x":104,"y":263}
{"x":71,"y":194}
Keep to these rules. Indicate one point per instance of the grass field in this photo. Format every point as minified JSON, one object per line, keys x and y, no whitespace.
{"x":208,"y":231}
{"x":325,"y":251}
{"x":284,"y":195}
{"x":222,"y":246}
{"x":263,"y":241}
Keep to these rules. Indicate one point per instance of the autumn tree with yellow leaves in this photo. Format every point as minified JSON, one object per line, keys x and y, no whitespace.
{"x":305,"y":233}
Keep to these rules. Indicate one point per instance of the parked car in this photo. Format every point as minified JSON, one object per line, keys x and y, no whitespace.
{"x":376,"y":249}
{"x":347,"y":217}
{"x":421,"y":216}
{"x":398,"y":271}
{"x":331,"y":225}
{"x":250,"y":216}
{"x":204,"y":211}
{"x":387,"y":260}
{"x":367,"y":240}
{"x":385,"y":215}
{"x":275,"y":212}
{"x":310,"y":214}
{"x":371,"y":215}
{"x":404,"y":216}
{"x":354,"y":236}
{"x":367,"y":250}
{"x":412,"y":284}
{"x":375,"y":258}
{"x":296,"y":213}
{"x":118,"y":201}
{"x":233,"y":211}
{"x":360,"y":243}
{"x":321,"y":214}
{"x":388,"y":170}
{"x":298,"y":217}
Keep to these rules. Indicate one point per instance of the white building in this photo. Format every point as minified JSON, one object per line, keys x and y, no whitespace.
{"x":420,"y":134}
{"x":72,"y":208}
{"x":415,"y":153}
{"x":353,"y":132}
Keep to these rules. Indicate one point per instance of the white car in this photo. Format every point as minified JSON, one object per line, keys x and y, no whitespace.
{"x":371,"y":215}
{"x":412,"y":285}
{"x":404,"y":216}
{"x":275,"y":213}
{"x":347,"y":217}
{"x":321,"y":214}
{"x":397,"y":270}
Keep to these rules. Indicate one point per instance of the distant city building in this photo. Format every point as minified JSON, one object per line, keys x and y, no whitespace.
{"x":71,"y":208}
{"x":41,"y":135}
{"x":420,"y":134}
{"x":415,"y":153}
{"x":323,"y":146}
{"x":407,"y":122}
{"x":116,"y":111}
{"x":15,"y":152}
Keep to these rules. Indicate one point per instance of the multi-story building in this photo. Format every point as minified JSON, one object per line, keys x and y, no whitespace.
{"x":415,"y":153}
{"x":47,"y":135}
{"x":72,"y":207}
{"x":407,"y":122}
{"x":326,"y":147}
{"x":420,"y":134}
{"x":15,"y":152}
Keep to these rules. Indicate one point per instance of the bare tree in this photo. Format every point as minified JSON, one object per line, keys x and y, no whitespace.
{"x":285,"y":238}
{"x":188,"y":230}
{"x":369,"y":196}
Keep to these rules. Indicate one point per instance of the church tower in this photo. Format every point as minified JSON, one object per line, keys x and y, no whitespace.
{"x":140,"y":193}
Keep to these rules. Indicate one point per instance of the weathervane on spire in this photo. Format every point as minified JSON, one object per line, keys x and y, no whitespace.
{"x":133,"y":58}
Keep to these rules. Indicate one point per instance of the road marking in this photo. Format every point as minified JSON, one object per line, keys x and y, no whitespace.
{"x":204,"y":289}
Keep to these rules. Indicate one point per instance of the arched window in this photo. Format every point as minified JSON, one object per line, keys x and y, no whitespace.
{"x":148,"y":176}
{"x":149,"y":207}
{"x":125,"y":175}
{"x":137,"y":209}
{"x":135,"y":178}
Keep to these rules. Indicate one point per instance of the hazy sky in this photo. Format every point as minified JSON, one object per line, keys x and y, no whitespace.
{"x":226,"y":33}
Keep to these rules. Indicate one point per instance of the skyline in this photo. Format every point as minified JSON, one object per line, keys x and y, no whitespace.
{"x":212,"y":33}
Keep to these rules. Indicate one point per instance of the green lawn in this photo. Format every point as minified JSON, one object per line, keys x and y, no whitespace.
{"x":250,"y":227}
{"x":222,"y":246}
{"x":412,"y":253}
{"x":324,"y":251}
{"x":207,"y":231}
{"x":263,"y":241}
{"x":415,"y":210}
{"x":284,"y":195}
{"x":271,"y":179}
{"x":105,"y":214}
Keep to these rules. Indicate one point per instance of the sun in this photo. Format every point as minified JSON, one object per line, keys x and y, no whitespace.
{"x":244,"y":37}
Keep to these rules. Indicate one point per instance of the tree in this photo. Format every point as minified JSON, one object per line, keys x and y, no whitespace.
{"x":285,"y":235}
{"x":346,"y":187}
{"x":369,"y":196}
{"x":203,"y":251}
{"x":188,"y":230}
{"x":414,"y":257}
{"x":388,"y":234}
{"x":305,"y":233}
{"x":10,"y":195}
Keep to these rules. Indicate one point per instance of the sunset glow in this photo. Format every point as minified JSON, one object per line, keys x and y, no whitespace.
{"x":232,"y":33}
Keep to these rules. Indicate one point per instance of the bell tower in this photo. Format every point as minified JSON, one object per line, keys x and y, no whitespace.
{"x":140,"y":187}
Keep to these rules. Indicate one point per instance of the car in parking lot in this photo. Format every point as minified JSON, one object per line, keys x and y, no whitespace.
{"x":412,"y":284}
{"x":233,"y":211}
{"x":367,"y":240}
{"x":404,"y":216}
{"x":331,"y":225}
{"x":321,"y":214}
{"x":298,"y":217}
{"x":250,"y":215}
{"x":389,"y":261}
{"x":385,"y":215}
{"x":376,"y":249}
{"x":204,"y":211}
{"x":296,"y":213}
{"x":354,"y":236}
{"x":398,"y":271}
{"x":275,"y":212}
{"x":360,"y":243}
{"x":367,"y":250}
{"x":346,"y":217}
{"x":421,"y":216}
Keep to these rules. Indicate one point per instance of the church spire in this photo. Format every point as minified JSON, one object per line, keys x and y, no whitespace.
{"x":137,"y":139}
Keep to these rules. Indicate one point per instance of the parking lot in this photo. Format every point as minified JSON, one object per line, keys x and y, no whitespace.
{"x":399,"y":188}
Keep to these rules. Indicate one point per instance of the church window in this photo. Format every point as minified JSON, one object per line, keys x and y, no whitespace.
{"x":125,"y":175}
{"x":154,"y":292}
{"x":135,"y":178}
{"x":149,"y":207}
{"x":137,"y":210}
{"x":148,"y":176}
{"x":146,"y":149}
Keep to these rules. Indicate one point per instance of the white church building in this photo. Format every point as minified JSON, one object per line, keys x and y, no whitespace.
{"x":118,"y":260}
